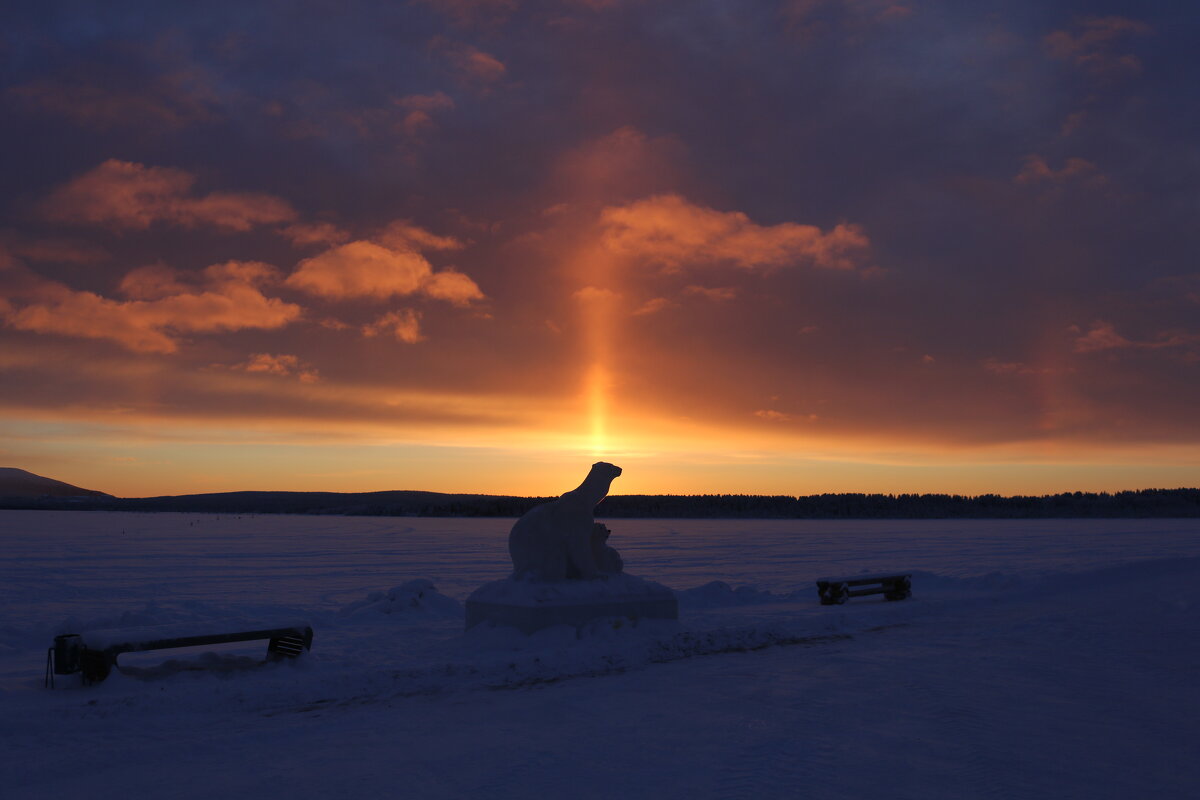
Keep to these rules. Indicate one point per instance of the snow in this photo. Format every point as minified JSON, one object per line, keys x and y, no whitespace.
{"x":1052,"y":658}
{"x":100,"y":639}
{"x":527,"y":592}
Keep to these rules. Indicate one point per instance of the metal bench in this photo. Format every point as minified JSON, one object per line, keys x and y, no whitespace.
{"x":835,"y":591}
{"x":94,"y":654}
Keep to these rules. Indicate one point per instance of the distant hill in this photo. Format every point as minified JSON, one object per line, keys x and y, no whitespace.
{"x":371,"y":504}
{"x":1143,"y":503}
{"x":19,"y":483}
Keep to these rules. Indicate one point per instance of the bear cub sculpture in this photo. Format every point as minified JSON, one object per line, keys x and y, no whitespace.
{"x":561,"y":540}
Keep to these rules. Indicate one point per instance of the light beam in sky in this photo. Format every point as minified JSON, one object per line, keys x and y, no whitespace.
{"x":597,"y":389}
{"x":598,"y":305}
{"x":468,"y":258}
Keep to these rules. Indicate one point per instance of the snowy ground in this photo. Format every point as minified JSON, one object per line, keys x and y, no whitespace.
{"x":1036,"y":659}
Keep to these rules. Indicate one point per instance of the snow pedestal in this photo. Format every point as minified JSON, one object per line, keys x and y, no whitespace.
{"x":531,"y":605}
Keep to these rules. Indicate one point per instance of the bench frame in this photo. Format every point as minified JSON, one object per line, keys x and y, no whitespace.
{"x":70,"y":653}
{"x":835,"y":591}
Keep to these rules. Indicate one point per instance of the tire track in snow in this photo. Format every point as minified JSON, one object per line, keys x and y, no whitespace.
{"x":521,"y":674}
{"x":763,"y":769}
{"x":786,"y":760}
{"x":967,"y":735}
{"x":514,"y":779}
{"x":778,"y":764}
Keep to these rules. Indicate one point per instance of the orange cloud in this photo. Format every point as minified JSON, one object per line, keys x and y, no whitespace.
{"x":419,"y":110}
{"x":1093,"y":42}
{"x":403,"y":235}
{"x":405,"y":325}
{"x":453,"y":287}
{"x":361,"y":269}
{"x":476,"y":65}
{"x":153,"y":282}
{"x":282,"y":365}
{"x":652,"y":306}
{"x":592,"y":294}
{"x":126,"y":194}
{"x":1036,"y":170}
{"x":999,"y":367}
{"x":669,"y":231}
{"x":303,"y":234}
{"x":715,"y":293}
{"x":227,"y":300}
{"x":1103,"y":336}
{"x":59,"y":251}
{"x":771,"y":415}
{"x":390,"y":264}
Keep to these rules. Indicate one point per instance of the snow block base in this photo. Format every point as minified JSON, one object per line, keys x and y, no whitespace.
{"x":530,"y":605}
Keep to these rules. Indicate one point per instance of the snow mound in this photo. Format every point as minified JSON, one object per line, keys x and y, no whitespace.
{"x":612,"y":651}
{"x":719,"y":594}
{"x":419,"y":595}
{"x":150,"y":615}
{"x":532,"y":591}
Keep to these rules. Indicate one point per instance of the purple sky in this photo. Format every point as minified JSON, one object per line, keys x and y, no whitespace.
{"x":786,"y":246}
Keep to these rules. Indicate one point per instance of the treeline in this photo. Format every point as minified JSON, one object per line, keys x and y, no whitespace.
{"x":1130,"y":504}
{"x":363,"y":504}
{"x":1143,"y":503}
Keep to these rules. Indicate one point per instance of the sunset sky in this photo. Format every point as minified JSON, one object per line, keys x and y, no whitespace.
{"x":764,"y":246}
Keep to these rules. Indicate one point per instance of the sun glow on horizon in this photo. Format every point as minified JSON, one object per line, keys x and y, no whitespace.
{"x":597,"y":392}
{"x":598,"y":304}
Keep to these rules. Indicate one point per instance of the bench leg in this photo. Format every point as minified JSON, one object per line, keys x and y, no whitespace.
{"x":834,"y":594}
{"x":285,"y":646}
{"x":96,"y":666}
{"x":899,"y":590}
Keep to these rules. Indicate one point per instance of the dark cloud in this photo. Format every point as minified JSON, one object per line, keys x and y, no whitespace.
{"x":853,"y":219}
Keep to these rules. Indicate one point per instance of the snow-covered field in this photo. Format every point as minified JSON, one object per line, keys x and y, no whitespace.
{"x":1048,"y":658}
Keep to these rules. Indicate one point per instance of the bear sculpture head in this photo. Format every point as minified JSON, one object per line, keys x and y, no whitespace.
{"x":606,"y":470}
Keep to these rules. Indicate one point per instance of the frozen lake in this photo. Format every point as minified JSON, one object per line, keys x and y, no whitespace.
{"x":57,"y":562}
{"x":1044,"y":658}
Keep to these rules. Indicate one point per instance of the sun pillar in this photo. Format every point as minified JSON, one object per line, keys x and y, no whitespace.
{"x":597,"y":388}
{"x":599,"y":304}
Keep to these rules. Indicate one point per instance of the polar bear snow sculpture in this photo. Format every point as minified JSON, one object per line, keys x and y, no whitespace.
{"x":554,"y":543}
{"x":560,"y":539}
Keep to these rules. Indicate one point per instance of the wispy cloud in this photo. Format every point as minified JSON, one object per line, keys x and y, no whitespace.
{"x":281,"y":364}
{"x":652,"y":306}
{"x":404,"y":324}
{"x":391,"y":265}
{"x":1036,"y":170}
{"x":419,"y":110}
{"x":165,"y":307}
{"x":1093,"y":44}
{"x":593,"y":294}
{"x":126,"y":194}
{"x":717,"y":294}
{"x":304,"y":234}
{"x":58,"y":251}
{"x":669,"y":231}
{"x":474,"y":66}
{"x":1102,"y":336}
{"x":170,"y":102}
{"x":361,"y":269}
